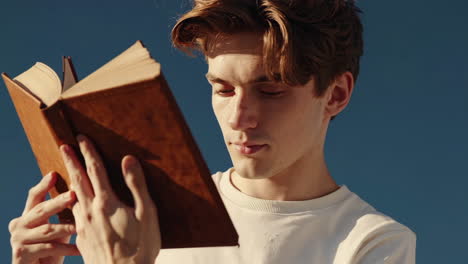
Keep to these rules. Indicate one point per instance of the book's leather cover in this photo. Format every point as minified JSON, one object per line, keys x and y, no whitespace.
{"x":141,"y":119}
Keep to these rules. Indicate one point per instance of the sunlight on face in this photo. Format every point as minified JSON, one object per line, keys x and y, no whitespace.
{"x":250,"y":109}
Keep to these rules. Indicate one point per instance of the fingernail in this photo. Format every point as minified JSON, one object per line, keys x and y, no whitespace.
{"x":131,"y":164}
{"x":80,"y":138}
{"x":65,"y":149}
{"x":48,"y":177}
{"x":72,"y":229}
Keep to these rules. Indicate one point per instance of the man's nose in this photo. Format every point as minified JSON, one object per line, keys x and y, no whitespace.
{"x":243,"y":112}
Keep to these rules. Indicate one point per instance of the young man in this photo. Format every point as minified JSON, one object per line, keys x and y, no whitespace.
{"x":280,"y":71}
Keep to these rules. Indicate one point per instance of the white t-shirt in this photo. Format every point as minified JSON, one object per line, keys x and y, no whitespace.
{"x":338,"y":228}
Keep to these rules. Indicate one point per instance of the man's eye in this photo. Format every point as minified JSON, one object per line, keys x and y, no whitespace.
{"x":266,"y":93}
{"x":272,"y":93}
{"x":224,"y":91}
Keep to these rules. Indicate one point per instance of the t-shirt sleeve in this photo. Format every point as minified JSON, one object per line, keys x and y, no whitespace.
{"x":389,"y":246}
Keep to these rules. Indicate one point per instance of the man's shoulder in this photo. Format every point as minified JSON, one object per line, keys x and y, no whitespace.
{"x":377,"y":227}
{"x":377,"y":237}
{"x":368,"y":217}
{"x":218,"y":175}
{"x":366,"y":220}
{"x":372,"y":234}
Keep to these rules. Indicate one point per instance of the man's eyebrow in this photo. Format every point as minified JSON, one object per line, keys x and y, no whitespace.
{"x":210,"y":77}
{"x":260,"y":79}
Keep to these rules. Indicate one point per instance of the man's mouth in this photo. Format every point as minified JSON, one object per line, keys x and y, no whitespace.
{"x":246,"y":150}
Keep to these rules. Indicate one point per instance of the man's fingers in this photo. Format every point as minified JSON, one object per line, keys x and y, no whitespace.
{"x":145,"y":210}
{"x":135,"y":179}
{"x":78,"y":177}
{"x":77,"y":213}
{"x":44,"y":210}
{"x":38,"y":193}
{"x":37,"y":251}
{"x":48,"y":232}
{"x":95,"y":167}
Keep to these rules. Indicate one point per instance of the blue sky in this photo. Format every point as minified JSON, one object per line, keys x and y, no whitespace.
{"x":401,"y":143}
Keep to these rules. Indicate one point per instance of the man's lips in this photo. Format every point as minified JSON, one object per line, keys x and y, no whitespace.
{"x":248,"y":149}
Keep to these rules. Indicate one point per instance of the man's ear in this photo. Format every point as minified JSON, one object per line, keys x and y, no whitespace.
{"x":339,"y":94}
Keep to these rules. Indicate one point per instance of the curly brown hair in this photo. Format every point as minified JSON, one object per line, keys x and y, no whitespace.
{"x":301,"y":38}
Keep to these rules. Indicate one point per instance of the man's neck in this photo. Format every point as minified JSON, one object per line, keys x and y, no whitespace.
{"x":306,"y":179}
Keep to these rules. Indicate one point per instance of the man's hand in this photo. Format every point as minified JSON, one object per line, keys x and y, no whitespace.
{"x":108,"y":231}
{"x":33,"y":239}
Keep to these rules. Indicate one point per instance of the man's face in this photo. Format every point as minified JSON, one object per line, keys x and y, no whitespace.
{"x":286,"y":124}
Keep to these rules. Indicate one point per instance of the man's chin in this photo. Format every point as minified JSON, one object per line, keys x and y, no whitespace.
{"x":251,"y":171}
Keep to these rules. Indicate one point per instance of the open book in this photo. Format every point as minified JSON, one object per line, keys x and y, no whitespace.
{"x":125,"y":107}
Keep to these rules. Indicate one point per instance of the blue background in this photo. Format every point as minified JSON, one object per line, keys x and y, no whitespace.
{"x":401,"y":143}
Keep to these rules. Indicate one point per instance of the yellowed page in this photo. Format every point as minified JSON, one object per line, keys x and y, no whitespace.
{"x":41,"y":81}
{"x":133,"y":65}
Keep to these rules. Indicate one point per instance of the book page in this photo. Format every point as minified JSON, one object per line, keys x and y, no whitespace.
{"x":42,"y":82}
{"x":133,"y":65}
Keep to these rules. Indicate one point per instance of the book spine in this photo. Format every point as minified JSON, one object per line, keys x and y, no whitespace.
{"x":61,"y":133}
